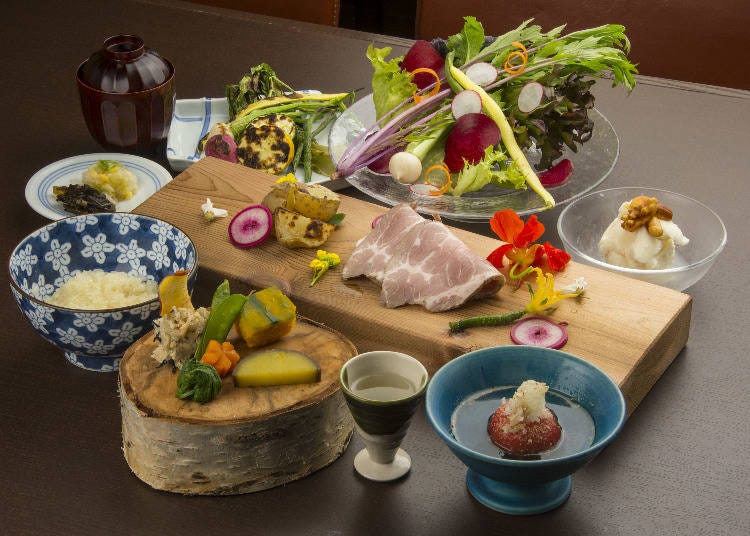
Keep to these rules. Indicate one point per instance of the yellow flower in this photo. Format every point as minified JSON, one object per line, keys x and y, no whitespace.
{"x":289,"y":177}
{"x":321,"y":263}
{"x":545,"y":295}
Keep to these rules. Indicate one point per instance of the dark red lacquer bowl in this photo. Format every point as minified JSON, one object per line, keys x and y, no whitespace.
{"x":127,"y":96}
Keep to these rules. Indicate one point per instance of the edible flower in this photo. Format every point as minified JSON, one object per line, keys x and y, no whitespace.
{"x":210,"y":212}
{"x":321,"y":263}
{"x":520,"y":250}
{"x":289,"y":177}
{"x":542,"y":300}
{"x":545,"y":295}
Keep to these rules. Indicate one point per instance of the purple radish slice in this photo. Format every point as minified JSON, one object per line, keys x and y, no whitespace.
{"x":222,"y":146}
{"x":250,"y":226}
{"x":530,"y":97}
{"x":469,"y":137}
{"x":466,"y":102}
{"x":557,"y":174}
{"x":376,"y":220}
{"x":422,"y":189}
{"x":482,"y":73}
{"x":539,"y":331}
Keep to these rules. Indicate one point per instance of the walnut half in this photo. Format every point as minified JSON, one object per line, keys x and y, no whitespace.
{"x":644,"y":210}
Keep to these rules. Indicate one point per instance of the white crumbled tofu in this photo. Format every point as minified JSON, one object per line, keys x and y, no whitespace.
{"x":178,"y":333}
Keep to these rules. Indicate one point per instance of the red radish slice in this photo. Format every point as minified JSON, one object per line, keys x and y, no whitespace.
{"x":482,"y":73}
{"x":539,"y":331}
{"x":469,"y":137}
{"x":466,"y":102}
{"x":376,"y":220}
{"x":530,"y":97}
{"x":424,"y":189}
{"x":250,"y":226}
{"x":557,"y":174}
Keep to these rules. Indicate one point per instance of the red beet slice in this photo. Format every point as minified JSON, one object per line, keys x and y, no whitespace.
{"x":250,"y":226}
{"x":423,"y":55}
{"x":557,"y":174}
{"x":530,"y":438}
{"x":469,"y":137}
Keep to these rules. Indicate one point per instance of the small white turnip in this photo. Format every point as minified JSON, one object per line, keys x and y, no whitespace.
{"x":405,"y":167}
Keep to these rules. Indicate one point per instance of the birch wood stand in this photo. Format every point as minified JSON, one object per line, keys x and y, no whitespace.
{"x":245,"y":440}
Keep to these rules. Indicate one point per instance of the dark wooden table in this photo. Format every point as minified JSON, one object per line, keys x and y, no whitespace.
{"x":680,"y":466}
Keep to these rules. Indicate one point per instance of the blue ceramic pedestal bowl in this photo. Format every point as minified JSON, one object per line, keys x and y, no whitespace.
{"x":523,"y":486}
{"x":138,"y":245}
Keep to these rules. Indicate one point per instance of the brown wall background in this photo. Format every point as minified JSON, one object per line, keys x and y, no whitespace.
{"x":695,"y":40}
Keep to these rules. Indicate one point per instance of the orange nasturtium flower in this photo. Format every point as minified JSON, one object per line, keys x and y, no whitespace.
{"x":520,"y":250}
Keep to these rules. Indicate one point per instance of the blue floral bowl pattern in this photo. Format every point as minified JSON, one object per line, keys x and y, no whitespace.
{"x":138,"y":245}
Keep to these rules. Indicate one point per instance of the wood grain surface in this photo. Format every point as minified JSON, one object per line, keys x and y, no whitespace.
{"x":632,"y":330}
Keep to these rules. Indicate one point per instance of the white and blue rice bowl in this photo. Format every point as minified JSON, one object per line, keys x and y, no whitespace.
{"x":137,"y":245}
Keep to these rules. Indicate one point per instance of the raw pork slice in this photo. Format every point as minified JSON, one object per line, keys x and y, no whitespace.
{"x":372,"y":254}
{"x":432,"y":267}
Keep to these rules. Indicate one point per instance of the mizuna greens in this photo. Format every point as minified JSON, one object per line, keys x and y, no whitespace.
{"x":566,"y":65}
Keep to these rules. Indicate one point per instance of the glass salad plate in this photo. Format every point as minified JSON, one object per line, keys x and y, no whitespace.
{"x":593,"y":162}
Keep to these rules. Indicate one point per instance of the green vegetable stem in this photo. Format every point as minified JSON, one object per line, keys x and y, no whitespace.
{"x":485,"y":321}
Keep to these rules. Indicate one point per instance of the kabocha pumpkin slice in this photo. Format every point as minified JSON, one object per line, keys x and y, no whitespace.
{"x":275,"y":367}
{"x":173,"y":292}
{"x":267,"y":316}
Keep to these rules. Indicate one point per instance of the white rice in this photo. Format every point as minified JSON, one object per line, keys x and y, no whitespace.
{"x":97,"y":289}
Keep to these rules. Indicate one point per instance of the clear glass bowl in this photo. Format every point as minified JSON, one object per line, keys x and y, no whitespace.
{"x":582,"y":223}
{"x":593,"y":161}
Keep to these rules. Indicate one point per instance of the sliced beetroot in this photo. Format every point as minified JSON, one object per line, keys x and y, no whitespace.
{"x":381,"y":165}
{"x":423,"y":55}
{"x":539,"y":331}
{"x":469,"y":137}
{"x":557,"y":174}
{"x":222,"y":146}
{"x":465,"y":102}
{"x":250,"y":226}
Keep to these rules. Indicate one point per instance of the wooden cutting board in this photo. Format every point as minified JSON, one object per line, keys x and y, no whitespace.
{"x":630,"y":329}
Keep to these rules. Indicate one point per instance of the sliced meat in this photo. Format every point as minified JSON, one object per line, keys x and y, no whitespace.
{"x":372,"y":254}
{"x":432,"y":267}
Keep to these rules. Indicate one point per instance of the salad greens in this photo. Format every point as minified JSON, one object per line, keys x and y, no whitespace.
{"x":565,"y":64}
{"x":260,"y":83}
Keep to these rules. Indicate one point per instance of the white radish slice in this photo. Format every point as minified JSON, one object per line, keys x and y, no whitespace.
{"x":465,"y":102}
{"x":423,"y":189}
{"x":250,"y":226}
{"x":482,"y":73}
{"x":539,"y":331}
{"x":530,"y":97}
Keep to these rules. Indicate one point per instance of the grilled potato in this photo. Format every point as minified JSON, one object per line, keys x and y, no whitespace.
{"x":311,"y":200}
{"x":294,"y":230}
